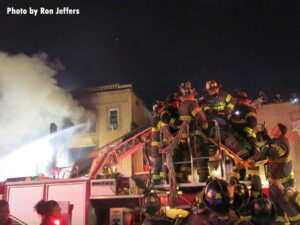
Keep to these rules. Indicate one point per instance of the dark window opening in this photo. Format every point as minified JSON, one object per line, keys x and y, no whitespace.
{"x":113,"y":119}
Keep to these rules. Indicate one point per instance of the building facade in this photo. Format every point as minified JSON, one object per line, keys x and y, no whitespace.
{"x":118,"y":111}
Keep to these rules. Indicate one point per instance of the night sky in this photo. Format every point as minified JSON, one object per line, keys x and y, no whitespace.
{"x":251,"y":45}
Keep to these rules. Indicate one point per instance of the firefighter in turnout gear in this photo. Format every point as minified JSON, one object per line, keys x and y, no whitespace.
{"x":156,"y":156}
{"x":277,"y":151}
{"x":153,"y":215}
{"x":237,"y":136}
{"x":293,"y":197}
{"x":170,"y":118}
{"x":188,"y":108}
{"x":170,"y":114}
{"x":217,"y":198}
{"x":263,"y":212}
{"x":217,"y":104}
{"x":243,"y":121}
{"x":190,"y":112}
{"x":290,"y":194}
{"x":200,"y":213}
{"x":242,"y":200}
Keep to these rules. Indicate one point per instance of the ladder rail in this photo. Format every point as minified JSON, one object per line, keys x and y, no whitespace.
{"x":121,"y":150}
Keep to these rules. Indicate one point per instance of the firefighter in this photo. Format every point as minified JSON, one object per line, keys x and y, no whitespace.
{"x":200,"y":213}
{"x":217,"y":198}
{"x":293,"y":197}
{"x":156,"y":156}
{"x":242,"y":199}
{"x":217,"y":104}
{"x":277,"y":151}
{"x":198,"y":206}
{"x":290,"y":194}
{"x":170,"y":114}
{"x":243,"y":121}
{"x":153,"y":215}
{"x":170,"y":117}
{"x":231,"y":138}
{"x":262,"y":213}
{"x":190,"y":112}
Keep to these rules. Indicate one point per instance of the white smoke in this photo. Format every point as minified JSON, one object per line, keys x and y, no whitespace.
{"x":30,"y":100}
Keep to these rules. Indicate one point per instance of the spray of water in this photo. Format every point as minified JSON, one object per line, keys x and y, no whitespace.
{"x":35,"y":158}
{"x":30,"y":100}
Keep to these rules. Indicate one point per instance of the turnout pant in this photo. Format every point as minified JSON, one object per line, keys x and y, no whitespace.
{"x":283,"y":206}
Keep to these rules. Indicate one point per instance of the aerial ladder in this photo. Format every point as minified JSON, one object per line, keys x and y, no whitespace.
{"x":110,"y":154}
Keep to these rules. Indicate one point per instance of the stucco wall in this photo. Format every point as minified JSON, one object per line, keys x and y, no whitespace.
{"x":132,"y":110}
{"x":102,"y":102}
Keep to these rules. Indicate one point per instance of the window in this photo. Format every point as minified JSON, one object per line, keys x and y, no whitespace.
{"x":113,"y":119}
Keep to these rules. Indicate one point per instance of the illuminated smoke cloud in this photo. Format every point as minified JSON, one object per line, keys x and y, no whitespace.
{"x":30,"y":100}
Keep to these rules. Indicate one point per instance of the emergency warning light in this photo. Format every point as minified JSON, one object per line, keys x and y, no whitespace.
{"x":56,"y":222}
{"x":237,"y":112}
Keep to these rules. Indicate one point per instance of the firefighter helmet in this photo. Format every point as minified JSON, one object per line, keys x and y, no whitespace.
{"x":152,"y":203}
{"x":241,"y":196}
{"x":263,"y":211}
{"x":185,"y":89}
{"x":242,"y":97}
{"x":211,"y":84}
{"x":216,"y":196}
{"x":241,"y":94}
{"x":173,"y":98}
{"x":157,"y":106}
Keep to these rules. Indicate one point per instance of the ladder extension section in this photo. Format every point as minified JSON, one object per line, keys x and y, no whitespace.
{"x":119,"y":152}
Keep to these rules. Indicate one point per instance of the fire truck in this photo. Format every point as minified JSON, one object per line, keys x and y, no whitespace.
{"x":103,"y":196}
{"x":108,"y":199}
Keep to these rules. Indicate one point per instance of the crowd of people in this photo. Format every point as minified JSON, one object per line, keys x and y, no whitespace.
{"x":263,"y":98}
{"x":184,"y":121}
{"x":187,"y":126}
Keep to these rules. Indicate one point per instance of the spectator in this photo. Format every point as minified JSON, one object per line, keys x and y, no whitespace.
{"x":50,"y":212}
{"x":4,"y":213}
{"x":294,"y":99}
{"x":262,"y":97}
{"x":278,"y":98}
